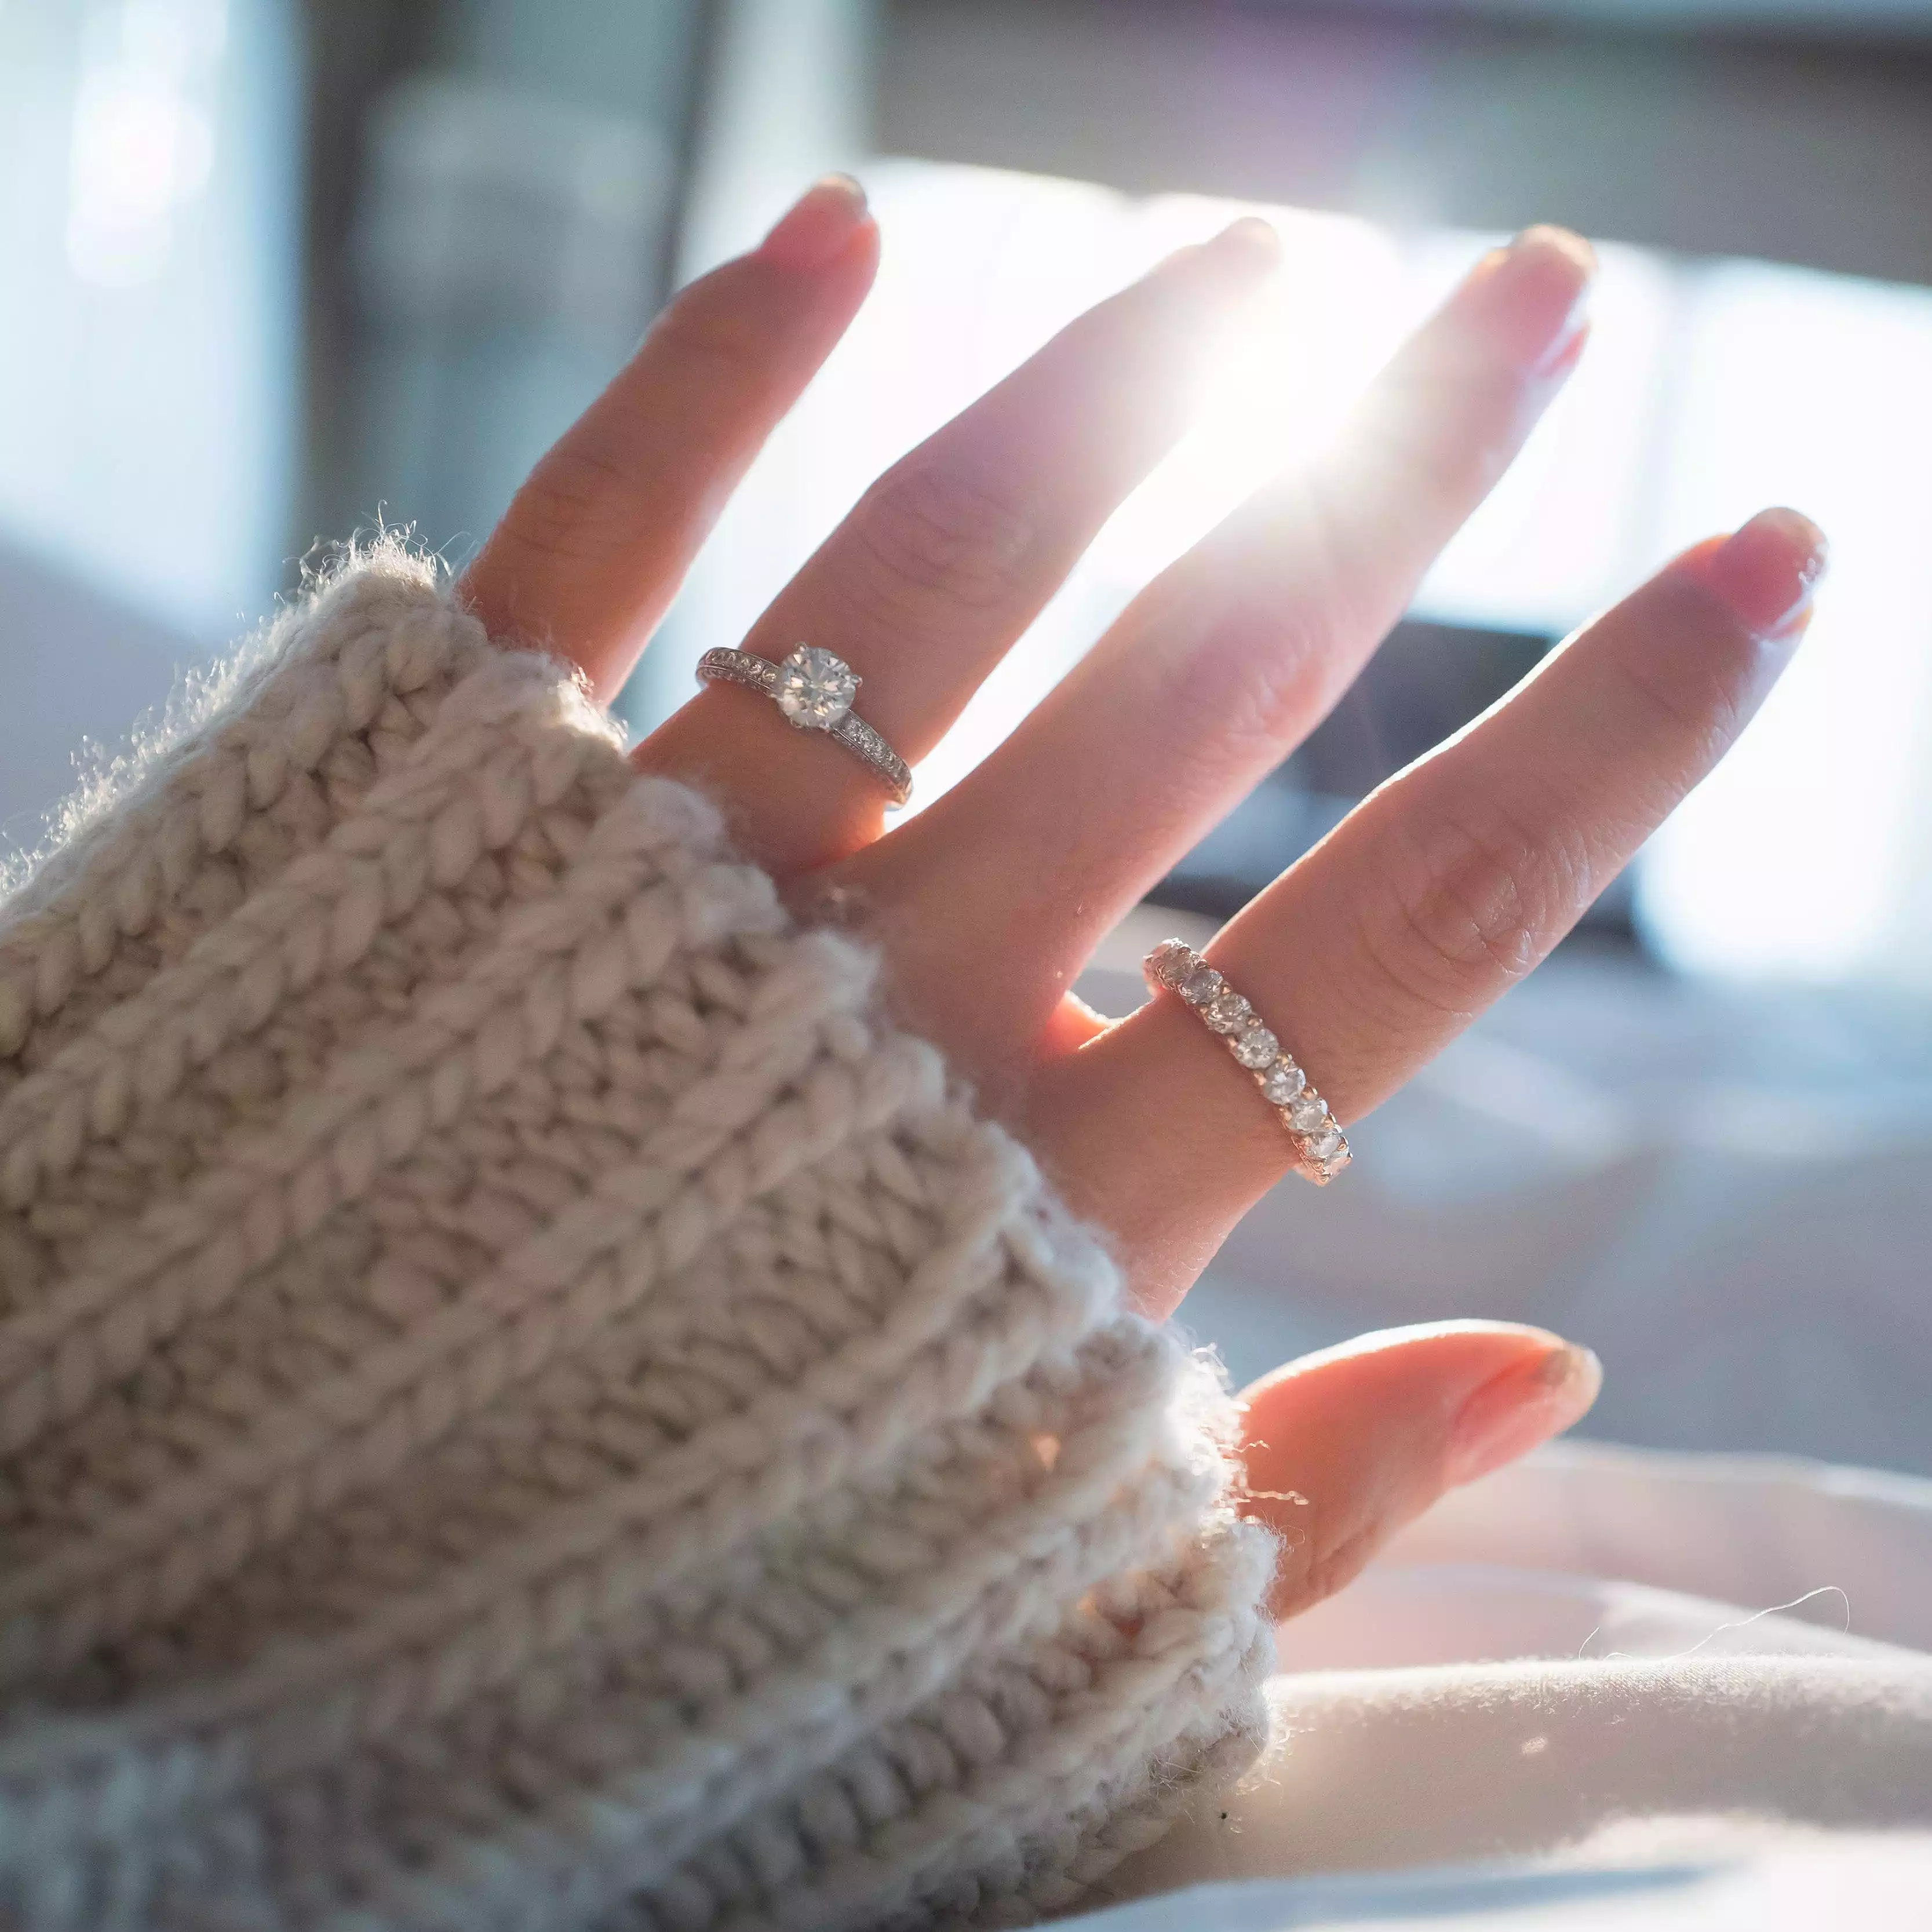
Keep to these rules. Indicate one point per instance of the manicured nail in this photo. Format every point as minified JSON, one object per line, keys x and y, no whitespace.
{"x":814,"y":230}
{"x":1545,"y":237}
{"x":1510,"y":1415}
{"x":1767,"y":570}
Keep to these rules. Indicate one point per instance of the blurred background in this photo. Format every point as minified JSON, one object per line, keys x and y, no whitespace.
{"x":276,"y":271}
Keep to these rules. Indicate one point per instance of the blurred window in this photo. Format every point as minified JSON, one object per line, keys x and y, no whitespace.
{"x":148,"y":313}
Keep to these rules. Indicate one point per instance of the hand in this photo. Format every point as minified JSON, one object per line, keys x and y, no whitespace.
{"x":1431,"y":899}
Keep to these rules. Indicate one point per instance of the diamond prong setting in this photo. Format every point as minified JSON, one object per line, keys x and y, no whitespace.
{"x":1174,"y":967}
{"x":814,"y":688}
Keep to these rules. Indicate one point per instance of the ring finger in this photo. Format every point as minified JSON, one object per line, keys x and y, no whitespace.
{"x":1433,"y":897}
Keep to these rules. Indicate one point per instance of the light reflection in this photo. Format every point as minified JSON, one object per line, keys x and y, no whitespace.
{"x":143,"y":137}
{"x":149,"y":324}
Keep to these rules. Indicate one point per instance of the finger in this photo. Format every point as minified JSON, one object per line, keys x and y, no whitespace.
{"x":1341,"y":1449}
{"x":594,"y":545}
{"x":1227,"y":661}
{"x":952,"y":553}
{"x":1438,"y":892}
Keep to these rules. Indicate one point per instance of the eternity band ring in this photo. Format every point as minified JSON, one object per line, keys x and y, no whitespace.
{"x":815,"y":691}
{"x":1323,"y":1151}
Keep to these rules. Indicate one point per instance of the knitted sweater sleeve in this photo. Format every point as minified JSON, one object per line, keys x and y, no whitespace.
{"x":525,"y":1402}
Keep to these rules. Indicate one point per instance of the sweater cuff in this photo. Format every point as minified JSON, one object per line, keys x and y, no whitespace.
{"x":524,"y":1399}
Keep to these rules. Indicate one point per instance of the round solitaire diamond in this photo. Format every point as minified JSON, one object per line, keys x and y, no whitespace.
{"x":815,"y":689}
{"x":1321,"y":1146}
{"x":1170,"y":962}
{"x":1310,"y":1114}
{"x":1255,"y":1047}
{"x":1282,"y":1081}
{"x":1200,"y":985}
{"x":1229,"y":1013}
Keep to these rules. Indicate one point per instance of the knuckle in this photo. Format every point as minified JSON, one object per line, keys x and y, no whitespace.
{"x":1471,"y":901}
{"x":1316,"y":1569}
{"x":714,"y":338}
{"x":564,"y":506}
{"x":1447,"y":432}
{"x":929,"y":532}
{"x":1269,"y":622}
{"x":1693,"y":681}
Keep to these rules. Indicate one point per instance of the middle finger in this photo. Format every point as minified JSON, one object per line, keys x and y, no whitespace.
{"x":949,"y":557}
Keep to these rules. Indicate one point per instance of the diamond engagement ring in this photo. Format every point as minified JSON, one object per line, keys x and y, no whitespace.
{"x":1172,"y":967}
{"x":815,"y":691}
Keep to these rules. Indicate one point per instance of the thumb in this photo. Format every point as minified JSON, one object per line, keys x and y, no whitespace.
{"x":1343,"y":1447}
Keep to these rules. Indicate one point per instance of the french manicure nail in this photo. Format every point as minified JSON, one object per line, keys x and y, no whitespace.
{"x":1767,"y":570}
{"x":1510,"y":1415}
{"x":814,"y":230}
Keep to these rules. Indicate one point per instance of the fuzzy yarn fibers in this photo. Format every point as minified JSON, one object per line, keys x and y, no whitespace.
{"x":525,"y":1403}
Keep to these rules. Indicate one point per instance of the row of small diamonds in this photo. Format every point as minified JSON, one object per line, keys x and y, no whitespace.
{"x":739,"y":668}
{"x":1179,"y":968}
{"x":859,"y":737}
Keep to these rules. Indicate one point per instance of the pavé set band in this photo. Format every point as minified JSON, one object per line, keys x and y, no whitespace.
{"x":815,"y":689}
{"x":1173,"y":968}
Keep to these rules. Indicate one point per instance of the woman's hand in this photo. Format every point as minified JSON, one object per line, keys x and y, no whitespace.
{"x":1369,"y":954}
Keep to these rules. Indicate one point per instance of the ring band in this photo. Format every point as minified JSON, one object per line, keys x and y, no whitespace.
{"x":1320,"y":1145}
{"x":814,"y":690}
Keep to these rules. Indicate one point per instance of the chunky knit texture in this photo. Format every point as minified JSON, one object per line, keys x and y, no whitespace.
{"x":524,"y":1402}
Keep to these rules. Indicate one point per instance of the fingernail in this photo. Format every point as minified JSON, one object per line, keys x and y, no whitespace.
{"x":1249,"y":243}
{"x":814,"y":230}
{"x":1767,"y":570}
{"x":1510,"y":1414}
{"x":1535,"y":293}
{"x":1545,"y":237}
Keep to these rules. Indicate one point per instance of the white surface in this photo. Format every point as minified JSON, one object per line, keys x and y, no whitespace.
{"x":1513,"y":1687}
{"x":1855,"y":1545}
{"x":1870,"y":1883}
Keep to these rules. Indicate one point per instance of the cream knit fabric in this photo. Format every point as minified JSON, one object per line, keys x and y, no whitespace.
{"x":524,"y":1403}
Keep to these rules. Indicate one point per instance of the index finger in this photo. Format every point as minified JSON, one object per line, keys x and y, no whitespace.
{"x":594,"y":544}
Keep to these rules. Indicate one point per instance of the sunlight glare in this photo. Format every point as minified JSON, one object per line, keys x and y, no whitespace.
{"x":1708,"y":390}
